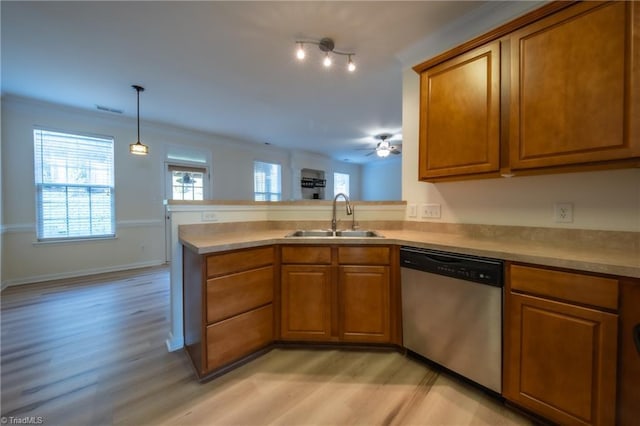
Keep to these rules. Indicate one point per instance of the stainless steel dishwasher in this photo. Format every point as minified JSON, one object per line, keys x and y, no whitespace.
{"x":452,"y":312}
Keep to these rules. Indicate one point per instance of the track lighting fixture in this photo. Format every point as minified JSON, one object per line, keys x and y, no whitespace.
{"x":138,"y":148}
{"x":326,"y":45}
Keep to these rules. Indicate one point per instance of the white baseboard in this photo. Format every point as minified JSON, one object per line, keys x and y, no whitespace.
{"x":174,"y":344}
{"x":81,"y":273}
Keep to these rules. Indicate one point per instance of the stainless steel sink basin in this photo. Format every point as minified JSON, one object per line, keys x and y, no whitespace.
{"x":311,"y":233}
{"x":328,"y":233}
{"x":358,"y":234}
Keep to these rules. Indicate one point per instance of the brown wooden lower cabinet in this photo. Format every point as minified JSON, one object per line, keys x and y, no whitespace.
{"x":364,"y":293}
{"x":305,"y":302}
{"x":563,"y":356}
{"x":560,"y":358}
{"x":338,"y":294}
{"x":228,"y":306}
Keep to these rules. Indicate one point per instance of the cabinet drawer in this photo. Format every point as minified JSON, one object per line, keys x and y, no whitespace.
{"x":363,"y":255}
{"x":231,"y":339}
{"x":577,"y":288}
{"x":317,"y":255}
{"x":228,"y":263}
{"x":234,"y":294}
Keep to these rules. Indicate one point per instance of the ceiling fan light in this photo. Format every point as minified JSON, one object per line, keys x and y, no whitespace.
{"x":382,"y":153}
{"x":300,"y":54}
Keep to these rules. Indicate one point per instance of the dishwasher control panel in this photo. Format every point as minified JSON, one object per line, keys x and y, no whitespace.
{"x":469,"y":268}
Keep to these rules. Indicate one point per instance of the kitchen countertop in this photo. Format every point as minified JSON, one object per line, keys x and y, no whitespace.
{"x":606,"y":261}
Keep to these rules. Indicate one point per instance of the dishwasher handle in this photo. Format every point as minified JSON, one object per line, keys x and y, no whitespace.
{"x":441,"y":259}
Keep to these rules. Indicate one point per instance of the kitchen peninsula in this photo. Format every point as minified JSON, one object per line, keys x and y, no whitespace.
{"x":559,"y":267}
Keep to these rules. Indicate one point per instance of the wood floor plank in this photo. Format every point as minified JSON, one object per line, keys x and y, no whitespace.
{"x":91,"y":351}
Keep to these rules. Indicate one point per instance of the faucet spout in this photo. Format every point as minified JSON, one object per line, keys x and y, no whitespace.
{"x":334,"y":222}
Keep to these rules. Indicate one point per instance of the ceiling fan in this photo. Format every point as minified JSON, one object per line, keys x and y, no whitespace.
{"x":384,"y":147}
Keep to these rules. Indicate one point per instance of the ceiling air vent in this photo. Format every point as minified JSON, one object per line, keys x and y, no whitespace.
{"x":107,"y":109}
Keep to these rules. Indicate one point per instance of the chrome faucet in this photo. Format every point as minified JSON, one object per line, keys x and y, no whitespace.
{"x":334,"y":222}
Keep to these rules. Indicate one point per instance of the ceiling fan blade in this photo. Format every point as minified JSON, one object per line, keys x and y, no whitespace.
{"x":395,"y":151}
{"x":371,"y":153}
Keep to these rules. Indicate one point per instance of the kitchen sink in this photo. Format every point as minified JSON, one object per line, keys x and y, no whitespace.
{"x":328,"y":233}
{"x":311,"y":233}
{"x":358,"y":234}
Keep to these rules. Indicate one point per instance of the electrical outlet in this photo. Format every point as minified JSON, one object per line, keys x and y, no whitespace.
{"x":431,"y":211}
{"x":412,"y":210}
{"x":209,"y":217}
{"x":563,"y":212}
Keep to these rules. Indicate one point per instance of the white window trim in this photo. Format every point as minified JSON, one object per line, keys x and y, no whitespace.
{"x":207,"y":189}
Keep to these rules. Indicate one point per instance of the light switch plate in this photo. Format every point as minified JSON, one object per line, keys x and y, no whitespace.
{"x":412,"y":210}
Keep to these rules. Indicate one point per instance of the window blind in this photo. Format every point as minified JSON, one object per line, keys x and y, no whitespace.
{"x":74,"y":186}
{"x":267,"y":181}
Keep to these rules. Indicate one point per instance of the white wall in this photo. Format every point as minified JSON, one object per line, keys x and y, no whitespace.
{"x":139,"y":183}
{"x":382,"y":179}
{"x":303,"y":160}
{"x":604,"y":200}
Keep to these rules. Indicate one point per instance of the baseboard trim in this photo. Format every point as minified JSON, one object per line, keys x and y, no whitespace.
{"x":173,"y":344}
{"x":80,"y":273}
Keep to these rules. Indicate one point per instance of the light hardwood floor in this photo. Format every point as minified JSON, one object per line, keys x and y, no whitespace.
{"x":91,"y":351}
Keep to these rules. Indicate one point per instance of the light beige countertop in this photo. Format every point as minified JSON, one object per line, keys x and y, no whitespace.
{"x":614,"y":259}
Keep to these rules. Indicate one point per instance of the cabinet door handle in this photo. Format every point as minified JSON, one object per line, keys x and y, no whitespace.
{"x":636,"y":336}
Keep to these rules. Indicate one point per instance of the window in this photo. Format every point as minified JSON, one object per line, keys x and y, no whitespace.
{"x":187,"y":183}
{"x":340,"y":184}
{"x":266,"y":181}
{"x":74,"y":186}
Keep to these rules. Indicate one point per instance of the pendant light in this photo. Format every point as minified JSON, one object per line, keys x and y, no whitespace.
{"x":138,"y":148}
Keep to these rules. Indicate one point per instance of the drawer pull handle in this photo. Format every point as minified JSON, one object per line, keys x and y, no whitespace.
{"x":636,"y":336}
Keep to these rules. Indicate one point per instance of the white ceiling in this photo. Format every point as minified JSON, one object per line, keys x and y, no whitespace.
{"x":225,"y":67}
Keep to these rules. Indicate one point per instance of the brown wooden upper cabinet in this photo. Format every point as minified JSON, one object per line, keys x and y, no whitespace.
{"x":556,"y":90}
{"x":572,"y":78}
{"x":460,"y":115}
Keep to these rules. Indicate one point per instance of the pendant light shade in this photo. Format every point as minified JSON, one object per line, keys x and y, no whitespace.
{"x":138,"y":148}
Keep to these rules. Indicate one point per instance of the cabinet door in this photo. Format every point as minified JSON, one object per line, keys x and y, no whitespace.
{"x":460,"y":115}
{"x":574,"y":87}
{"x":560,"y":360}
{"x":306,"y":302}
{"x":363,"y":292}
